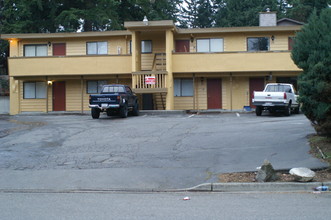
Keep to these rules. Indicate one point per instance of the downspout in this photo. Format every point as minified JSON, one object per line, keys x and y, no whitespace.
{"x":47,"y":93}
{"x":194,"y":91}
{"x":82,"y":93}
{"x":231,"y":88}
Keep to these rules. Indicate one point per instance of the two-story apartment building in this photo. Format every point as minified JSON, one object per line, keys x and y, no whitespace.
{"x":168,"y":67}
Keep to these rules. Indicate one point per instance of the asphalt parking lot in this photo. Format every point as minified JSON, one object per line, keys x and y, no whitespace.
{"x":151,"y":151}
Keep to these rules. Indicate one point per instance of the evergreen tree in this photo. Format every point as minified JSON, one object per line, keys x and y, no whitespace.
{"x":205,"y":16}
{"x":189,"y":13}
{"x":311,"y":52}
{"x":301,"y":9}
{"x":233,"y":13}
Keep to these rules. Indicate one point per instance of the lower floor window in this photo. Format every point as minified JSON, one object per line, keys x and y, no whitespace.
{"x":34,"y":90}
{"x":95,"y":86}
{"x":183,"y":87}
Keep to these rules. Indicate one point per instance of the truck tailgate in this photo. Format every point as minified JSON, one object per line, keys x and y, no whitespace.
{"x":268,"y":96}
{"x":104,"y":98}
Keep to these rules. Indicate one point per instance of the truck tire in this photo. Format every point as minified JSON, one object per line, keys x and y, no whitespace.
{"x":95,"y":113}
{"x":288,"y":110}
{"x":135,"y":111}
{"x":258,"y":111}
{"x":124,"y":111}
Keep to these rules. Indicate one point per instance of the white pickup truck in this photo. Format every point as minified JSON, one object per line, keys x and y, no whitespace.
{"x":276,"y":97}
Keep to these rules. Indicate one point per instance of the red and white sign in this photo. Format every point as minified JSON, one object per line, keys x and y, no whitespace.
{"x":150,"y":80}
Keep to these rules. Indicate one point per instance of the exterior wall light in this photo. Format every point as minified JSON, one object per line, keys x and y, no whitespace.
{"x":49,"y":83}
{"x":145,"y":21}
{"x":272,"y":37}
{"x":49,"y":44}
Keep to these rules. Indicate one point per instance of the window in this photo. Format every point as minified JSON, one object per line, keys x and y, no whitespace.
{"x":98,"y":48}
{"x":278,"y":88}
{"x":35,"y":50}
{"x":111,"y":89}
{"x":258,"y":44}
{"x":291,"y":41}
{"x":146,"y":46}
{"x":34,"y":90}
{"x":95,"y":86}
{"x":210,"y":45}
{"x":183,"y":87}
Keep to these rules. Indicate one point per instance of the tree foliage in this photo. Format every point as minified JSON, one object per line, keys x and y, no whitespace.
{"x":301,"y":9}
{"x":311,"y":52}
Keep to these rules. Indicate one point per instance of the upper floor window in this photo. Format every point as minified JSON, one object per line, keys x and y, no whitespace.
{"x":95,"y":86}
{"x":34,"y":90}
{"x":36,"y":50}
{"x":258,"y":44}
{"x":96,"y":48}
{"x":146,"y":46}
{"x":183,"y":87}
{"x":210,"y":45}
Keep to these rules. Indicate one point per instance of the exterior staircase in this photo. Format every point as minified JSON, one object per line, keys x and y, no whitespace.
{"x":159,"y":101}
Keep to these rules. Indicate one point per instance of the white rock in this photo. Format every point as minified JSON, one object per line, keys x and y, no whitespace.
{"x":302,"y":174}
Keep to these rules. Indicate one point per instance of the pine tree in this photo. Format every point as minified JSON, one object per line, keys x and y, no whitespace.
{"x":189,"y":13}
{"x":311,"y":52}
{"x":233,"y":13}
{"x":205,"y":16}
{"x":301,"y":9}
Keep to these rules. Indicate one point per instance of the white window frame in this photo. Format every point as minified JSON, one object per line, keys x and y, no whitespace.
{"x":100,"y":48}
{"x":97,"y":87}
{"x":146,"y":46}
{"x":35,"y":49}
{"x":183,"y":87}
{"x":209,"y":45}
{"x":34,"y":90}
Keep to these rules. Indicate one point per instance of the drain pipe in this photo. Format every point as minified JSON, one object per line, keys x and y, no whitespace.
{"x":231,"y":87}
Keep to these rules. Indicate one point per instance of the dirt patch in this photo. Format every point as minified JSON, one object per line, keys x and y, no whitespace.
{"x":320,"y":148}
{"x":321,"y":176}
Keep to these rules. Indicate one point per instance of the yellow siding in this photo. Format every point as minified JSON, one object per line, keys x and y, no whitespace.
{"x":73,"y":95}
{"x":280,"y":42}
{"x":240,"y":92}
{"x":226,"y":93}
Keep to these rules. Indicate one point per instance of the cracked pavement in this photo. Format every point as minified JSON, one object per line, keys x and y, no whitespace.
{"x":159,"y":151}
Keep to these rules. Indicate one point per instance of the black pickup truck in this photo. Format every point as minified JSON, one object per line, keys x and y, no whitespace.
{"x":114,"y":100}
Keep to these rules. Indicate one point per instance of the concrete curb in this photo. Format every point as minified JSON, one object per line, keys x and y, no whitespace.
{"x":258,"y":187}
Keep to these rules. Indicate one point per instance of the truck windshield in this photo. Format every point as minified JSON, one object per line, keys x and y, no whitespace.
{"x":112,"y":89}
{"x":278,"y":88}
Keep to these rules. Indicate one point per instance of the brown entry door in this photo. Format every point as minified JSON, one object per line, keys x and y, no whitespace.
{"x":214,"y":93}
{"x":59,"y":96}
{"x":255,"y":84}
{"x":182,"y":46}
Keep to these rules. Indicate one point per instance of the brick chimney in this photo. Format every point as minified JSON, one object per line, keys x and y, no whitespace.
{"x":268,"y":18}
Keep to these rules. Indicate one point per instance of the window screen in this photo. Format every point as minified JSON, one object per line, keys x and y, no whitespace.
{"x":35,"y":50}
{"x":146,"y":46}
{"x":34,"y":90}
{"x":95,"y":86}
{"x":97,"y":48}
{"x":183,"y":87}
{"x":210,"y":45}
